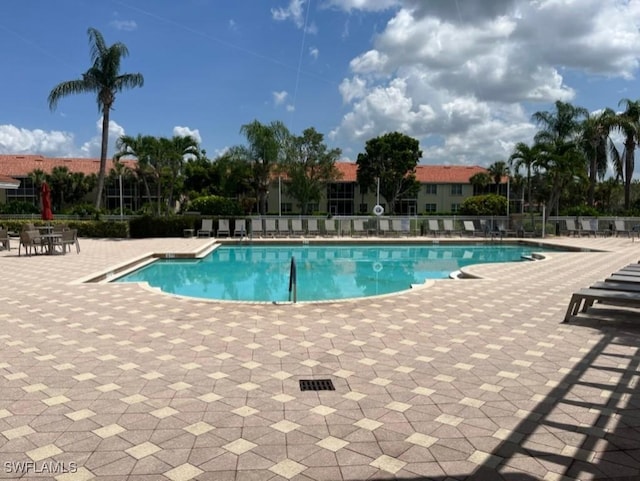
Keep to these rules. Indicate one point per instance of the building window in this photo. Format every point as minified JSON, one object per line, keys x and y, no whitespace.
{"x":430,"y":208}
{"x":432,"y":189}
{"x":407,"y":207}
{"x":25,"y":193}
{"x":286,"y":207}
{"x":340,"y":198}
{"x":455,"y":208}
{"x":456,"y":189}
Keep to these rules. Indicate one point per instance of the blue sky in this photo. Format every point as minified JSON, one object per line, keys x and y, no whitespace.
{"x":461,"y":76}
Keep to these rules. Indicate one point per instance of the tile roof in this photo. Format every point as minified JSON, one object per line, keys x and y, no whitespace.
{"x":426,"y":174}
{"x":7,"y":182}
{"x":22,"y":165}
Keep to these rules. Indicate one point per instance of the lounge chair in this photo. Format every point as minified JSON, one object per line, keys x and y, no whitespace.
{"x":296,"y":227}
{"x":620,"y":228}
{"x":330,"y":227}
{"x":312,"y":227}
{"x":223,"y":228}
{"x":470,"y":229}
{"x":256,"y":227}
{"x":449,"y":227}
{"x":358,"y":227}
{"x":434,"y":227}
{"x":283,"y":227}
{"x":585,"y":298}
{"x":240,"y":228}
{"x":270,"y":227}
{"x":401,"y":226}
{"x":345,"y":227}
{"x":383,"y":226}
{"x":588,"y":227}
{"x":69,"y":238}
{"x":572,"y":230}
{"x":5,"y":241}
{"x":206,"y":229}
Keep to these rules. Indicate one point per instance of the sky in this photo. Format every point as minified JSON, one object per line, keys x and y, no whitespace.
{"x":461,"y":76}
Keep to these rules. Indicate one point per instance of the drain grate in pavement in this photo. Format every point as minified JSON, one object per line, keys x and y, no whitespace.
{"x":316,"y":385}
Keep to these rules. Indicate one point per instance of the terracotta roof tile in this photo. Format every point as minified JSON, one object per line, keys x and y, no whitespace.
{"x":22,"y":165}
{"x":426,"y":174}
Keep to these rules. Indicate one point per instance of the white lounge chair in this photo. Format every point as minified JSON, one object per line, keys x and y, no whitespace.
{"x":434,"y":227}
{"x":283,"y":227}
{"x":470,"y":228}
{"x":223,"y":228}
{"x":240,"y":228}
{"x":270,"y":227}
{"x":358,"y":227}
{"x":401,"y":226}
{"x":312,"y":227}
{"x":296,"y":227}
{"x":256,"y":227}
{"x":330,"y":227}
{"x":383,"y":226}
{"x":206,"y":229}
{"x":449,"y":227}
{"x":620,"y":228}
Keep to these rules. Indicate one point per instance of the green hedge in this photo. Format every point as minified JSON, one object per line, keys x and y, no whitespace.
{"x":86,"y":228}
{"x":216,"y":205}
{"x":490,"y":204}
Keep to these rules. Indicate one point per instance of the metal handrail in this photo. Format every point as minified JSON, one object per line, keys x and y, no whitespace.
{"x":293,"y":280}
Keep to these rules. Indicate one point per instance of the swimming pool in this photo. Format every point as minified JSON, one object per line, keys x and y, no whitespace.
{"x":261,"y":272}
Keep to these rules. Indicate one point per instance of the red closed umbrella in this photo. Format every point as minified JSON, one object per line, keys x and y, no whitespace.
{"x":45,"y":193}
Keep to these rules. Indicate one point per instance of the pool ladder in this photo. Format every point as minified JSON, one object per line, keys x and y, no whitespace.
{"x":293,"y":280}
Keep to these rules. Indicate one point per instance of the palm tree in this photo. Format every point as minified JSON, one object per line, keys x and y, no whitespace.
{"x":480,"y":181}
{"x":142,"y":148}
{"x":595,"y":140}
{"x":498,"y":170}
{"x":527,"y":157}
{"x":105,"y":80}
{"x":628,"y":122}
{"x":176,"y":149}
{"x":265,"y":151}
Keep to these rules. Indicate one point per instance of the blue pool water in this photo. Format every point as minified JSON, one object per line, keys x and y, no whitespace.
{"x":261,"y":273}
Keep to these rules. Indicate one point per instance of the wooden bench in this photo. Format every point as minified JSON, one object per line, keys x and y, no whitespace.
{"x":585,"y":298}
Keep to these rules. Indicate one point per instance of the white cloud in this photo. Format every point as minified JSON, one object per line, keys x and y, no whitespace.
{"x":457,"y":74}
{"x":91,"y":148}
{"x":126,"y":25}
{"x":16,"y":140}
{"x":314,"y":52}
{"x":186,"y":131}
{"x":233,"y":25}
{"x":279,"y":97}
{"x":293,"y":12}
{"x":291,"y":108}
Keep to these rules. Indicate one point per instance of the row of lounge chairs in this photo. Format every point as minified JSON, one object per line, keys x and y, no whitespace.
{"x":353,"y":227}
{"x":622,"y":288}
{"x":591,"y":227}
{"x":298,"y":227}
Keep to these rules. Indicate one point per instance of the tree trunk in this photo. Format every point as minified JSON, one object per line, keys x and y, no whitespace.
{"x":103,"y":154}
{"x":628,"y":173}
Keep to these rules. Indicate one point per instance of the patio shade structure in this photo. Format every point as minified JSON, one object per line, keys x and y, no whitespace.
{"x":45,"y":192}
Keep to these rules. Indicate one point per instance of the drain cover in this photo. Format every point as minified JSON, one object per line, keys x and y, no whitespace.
{"x":316,"y":385}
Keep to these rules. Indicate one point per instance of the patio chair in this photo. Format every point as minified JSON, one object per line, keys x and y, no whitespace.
{"x":345,"y":227}
{"x":312,"y":227}
{"x":383,"y":226}
{"x":330,"y":227}
{"x":620,"y":228}
{"x":240,"y":228}
{"x":434,"y":227}
{"x":449,"y":227}
{"x":283,"y":227}
{"x":256,"y":227}
{"x":296,"y":227}
{"x":585,"y":298}
{"x":30,"y":240}
{"x":572,"y":230}
{"x":401,"y":226}
{"x":69,"y":238}
{"x":5,"y":242}
{"x":206,"y":229}
{"x":470,"y":229}
{"x":270,"y":227}
{"x":588,"y":227}
{"x":358,"y":228}
{"x":223,"y":228}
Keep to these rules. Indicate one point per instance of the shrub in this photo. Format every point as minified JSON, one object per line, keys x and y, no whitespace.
{"x":19,"y":207}
{"x":216,"y":205}
{"x":149,"y":226}
{"x":582,"y":211}
{"x":489,"y":204}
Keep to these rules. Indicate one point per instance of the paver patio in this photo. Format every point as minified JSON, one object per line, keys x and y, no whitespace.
{"x":464,"y":379}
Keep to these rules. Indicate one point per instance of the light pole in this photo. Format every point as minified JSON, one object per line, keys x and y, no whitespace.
{"x":279,"y":196}
{"x":120,"y":183}
{"x":377,"y":190}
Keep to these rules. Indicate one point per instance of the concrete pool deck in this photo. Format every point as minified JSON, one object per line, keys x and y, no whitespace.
{"x":466,"y":379}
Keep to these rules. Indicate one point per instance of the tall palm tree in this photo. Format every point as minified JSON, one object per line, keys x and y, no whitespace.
{"x":142,"y":148}
{"x":267,"y":145}
{"x":498,"y":170}
{"x":628,"y":123}
{"x":104,"y":79}
{"x":595,"y":141}
{"x":527,"y":157}
{"x":176,"y":149}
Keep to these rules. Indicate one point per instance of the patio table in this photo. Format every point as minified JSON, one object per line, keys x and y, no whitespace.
{"x":50,"y":241}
